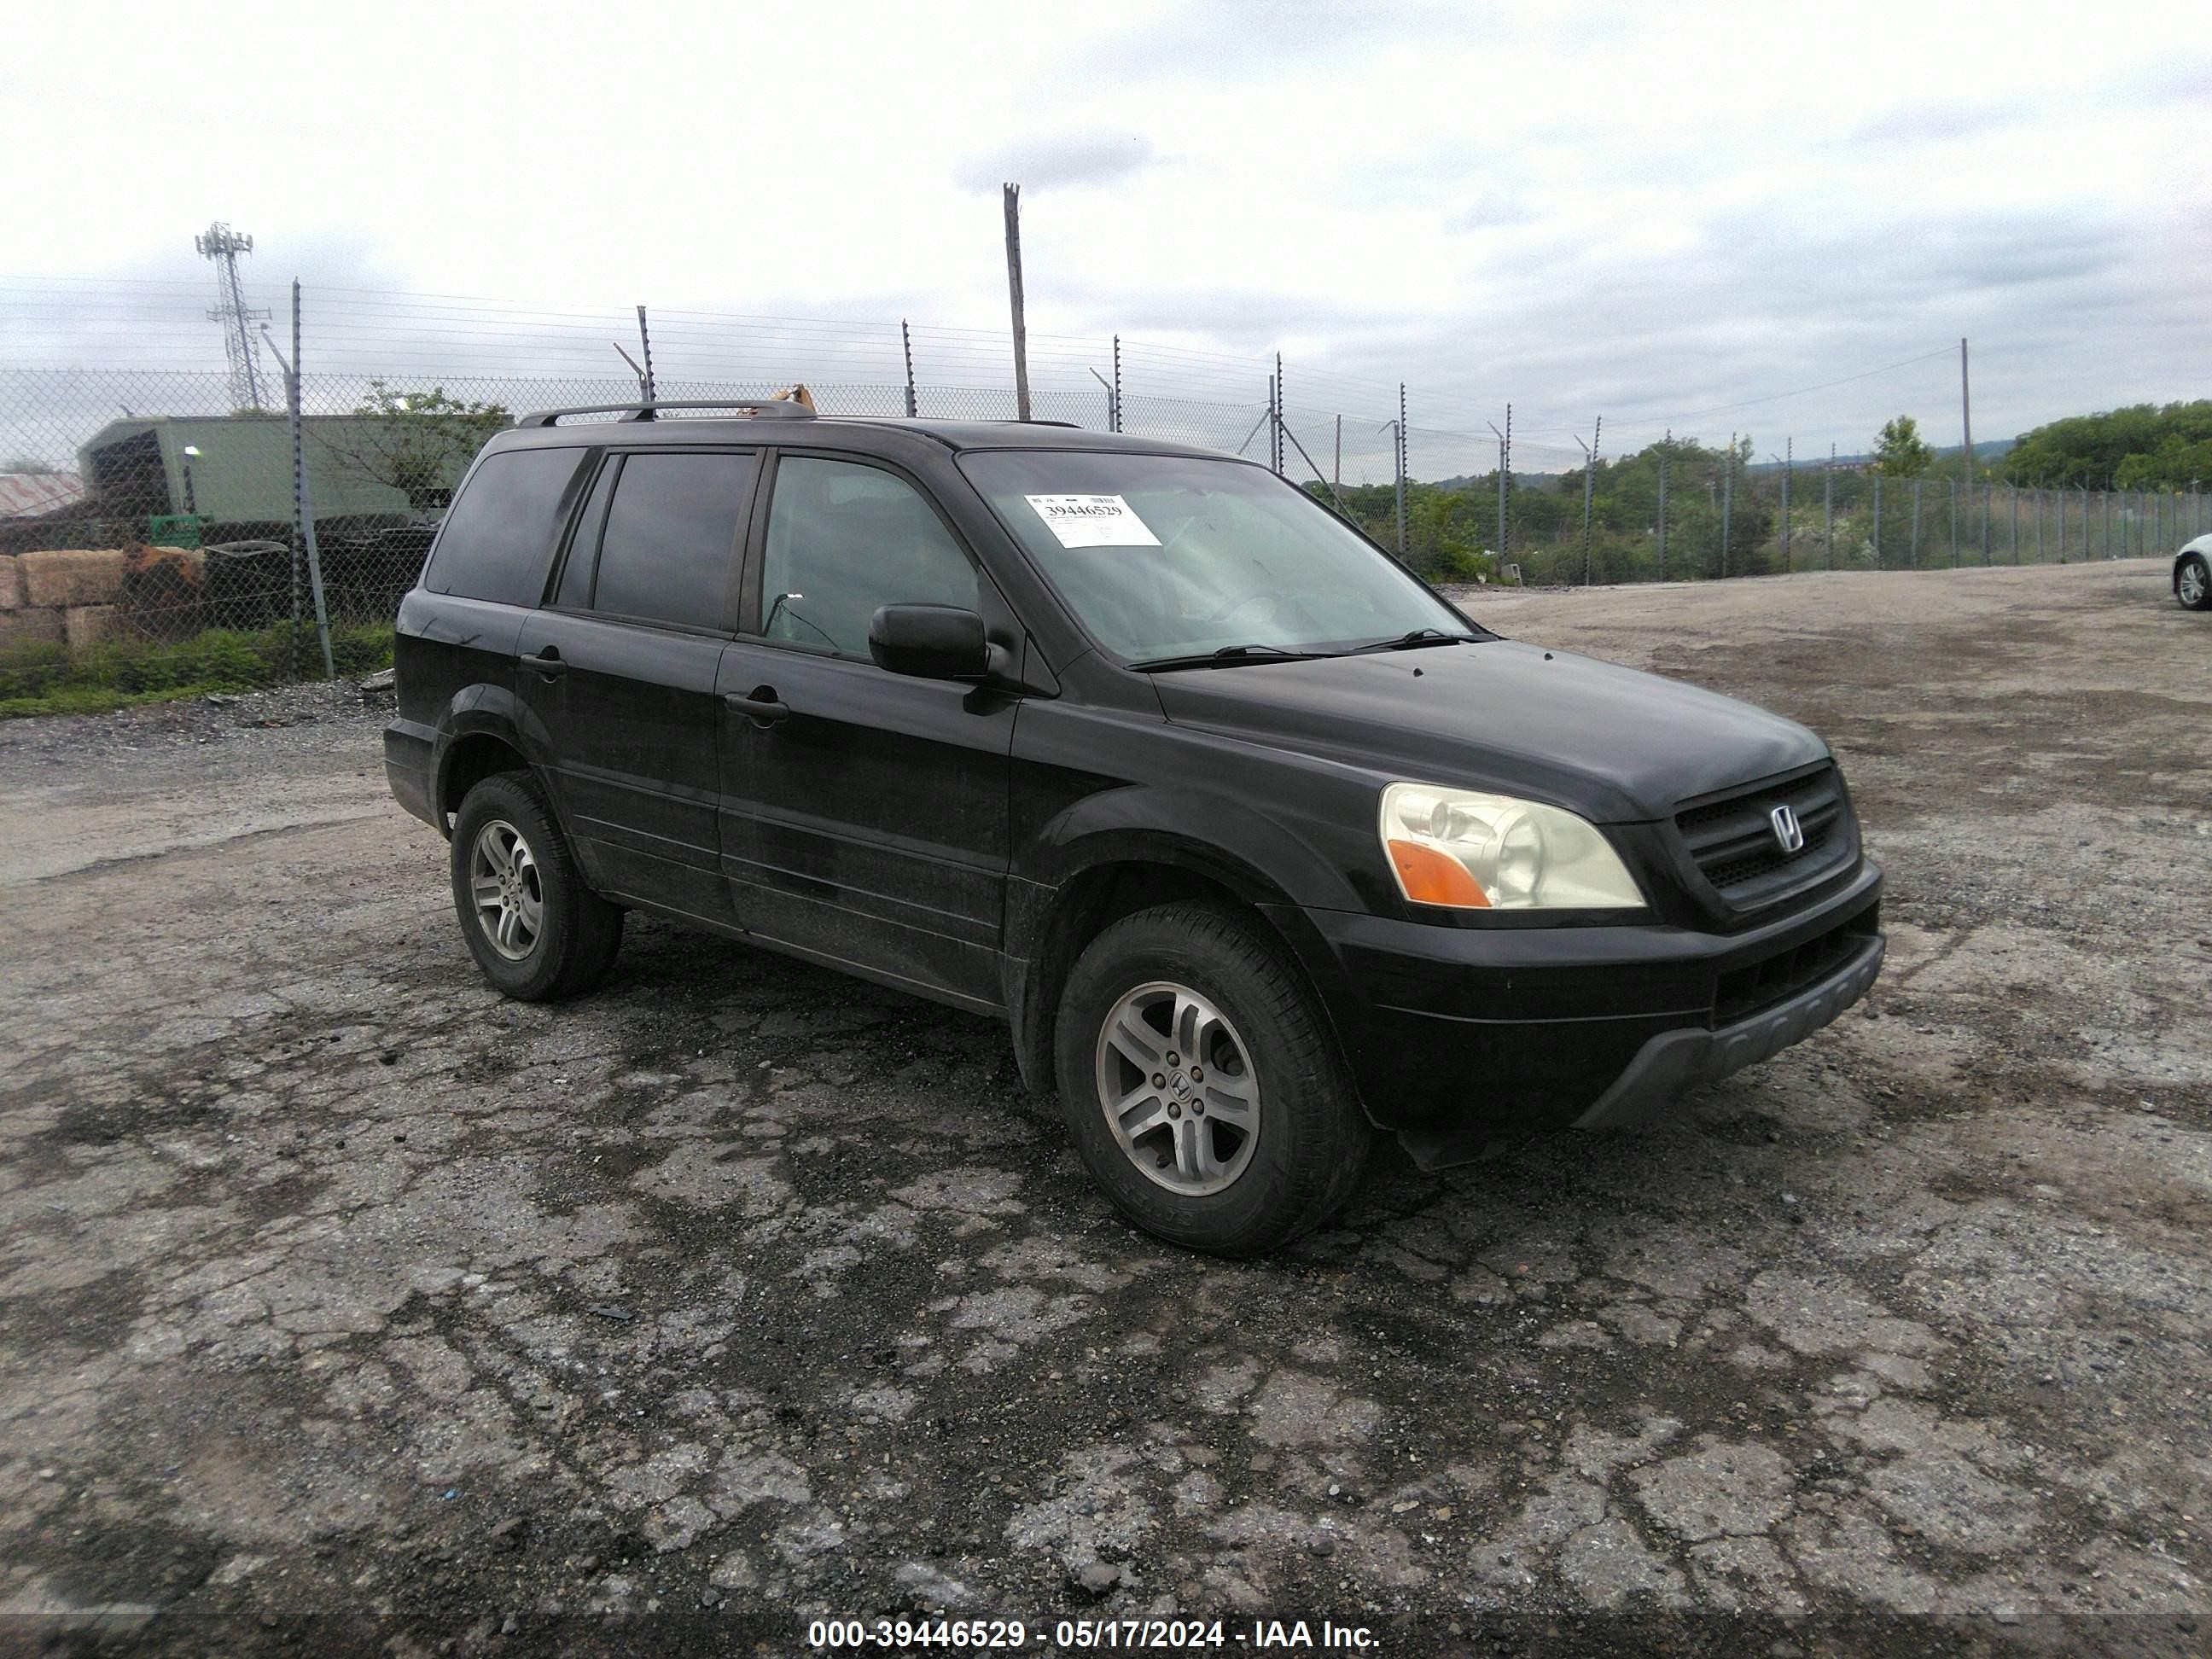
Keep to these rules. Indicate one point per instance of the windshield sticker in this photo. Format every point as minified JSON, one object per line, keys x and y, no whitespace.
{"x":1092,"y":522}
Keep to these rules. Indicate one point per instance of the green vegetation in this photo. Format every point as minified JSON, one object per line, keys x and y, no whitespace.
{"x":2142,"y":446}
{"x":1452,"y":533}
{"x":1900,"y":452}
{"x":418,"y":442}
{"x":45,"y":679}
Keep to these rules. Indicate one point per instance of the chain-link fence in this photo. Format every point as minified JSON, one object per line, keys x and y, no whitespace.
{"x":152,"y":536}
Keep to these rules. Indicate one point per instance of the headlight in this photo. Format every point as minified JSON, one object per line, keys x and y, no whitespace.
{"x":1476,"y":852}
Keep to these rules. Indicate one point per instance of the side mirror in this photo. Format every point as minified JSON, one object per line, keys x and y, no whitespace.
{"x":929,"y":641}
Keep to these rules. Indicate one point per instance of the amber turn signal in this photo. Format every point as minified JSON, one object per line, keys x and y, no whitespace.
{"x":1432,"y":878}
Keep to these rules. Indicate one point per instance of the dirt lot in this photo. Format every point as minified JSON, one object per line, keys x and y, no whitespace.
{"x":330,"y":1285}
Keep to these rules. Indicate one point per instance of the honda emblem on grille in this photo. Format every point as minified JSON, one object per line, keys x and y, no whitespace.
{"x":1788,"y":834}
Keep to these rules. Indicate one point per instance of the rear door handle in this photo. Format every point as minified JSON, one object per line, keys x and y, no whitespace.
{"x":550,"y":665}
{"x":761,"y":705}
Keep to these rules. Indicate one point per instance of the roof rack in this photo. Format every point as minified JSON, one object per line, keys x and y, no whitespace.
{"x":780,"y":409}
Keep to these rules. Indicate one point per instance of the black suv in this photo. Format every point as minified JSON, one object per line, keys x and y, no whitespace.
{"x":1253,"y":840}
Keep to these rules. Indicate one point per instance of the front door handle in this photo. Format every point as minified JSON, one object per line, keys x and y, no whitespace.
{"x":760,"y":705}
{"x":550,"y":665}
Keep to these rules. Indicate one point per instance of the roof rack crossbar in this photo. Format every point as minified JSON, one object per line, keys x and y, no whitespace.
{"x":780,"y":409}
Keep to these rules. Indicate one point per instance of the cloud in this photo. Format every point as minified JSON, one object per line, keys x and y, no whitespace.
{"x":1222,"y":42}
{"x":2184,"y":81}
{"x":1492,"y":210}
{"x":1935,"y":124}
{"x":1066,"y":161}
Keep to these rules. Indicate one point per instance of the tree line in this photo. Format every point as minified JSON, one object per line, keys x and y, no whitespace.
{"x":1843,"y":518}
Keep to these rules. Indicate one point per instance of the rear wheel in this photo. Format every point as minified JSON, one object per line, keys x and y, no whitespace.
{"x":537,"y":931}
{"x":2192,"y":583}
{"x":1201,"y":1085}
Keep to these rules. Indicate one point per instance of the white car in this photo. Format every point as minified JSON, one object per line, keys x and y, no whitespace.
{"x":2192,"y":574}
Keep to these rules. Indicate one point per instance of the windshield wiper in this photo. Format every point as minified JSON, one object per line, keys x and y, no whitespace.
{"x":1229,"y":656}
{"x":1419,"y":638}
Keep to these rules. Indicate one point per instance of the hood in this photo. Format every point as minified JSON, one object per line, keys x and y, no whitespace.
{"x":1612,"y":744}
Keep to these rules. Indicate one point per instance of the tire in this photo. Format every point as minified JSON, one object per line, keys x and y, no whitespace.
{"x":1214,"y":1186}
{"x":2192,"y":583}
{"x":545,"y":935}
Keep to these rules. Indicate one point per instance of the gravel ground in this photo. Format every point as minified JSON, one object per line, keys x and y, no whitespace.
{"x":343,"y":1304}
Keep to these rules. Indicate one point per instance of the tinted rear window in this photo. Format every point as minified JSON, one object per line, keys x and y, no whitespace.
{"x":670,"y":543}
{"x":499,"y":535}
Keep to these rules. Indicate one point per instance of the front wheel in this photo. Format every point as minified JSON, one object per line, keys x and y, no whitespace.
{"x":2192,"y":583}
{"x":1201,"y":1083}
{"x":536,"y":930}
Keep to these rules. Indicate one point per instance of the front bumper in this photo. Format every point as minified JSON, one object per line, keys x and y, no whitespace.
{"x":1455,"y":1034}
{"x":1676,"y":1061}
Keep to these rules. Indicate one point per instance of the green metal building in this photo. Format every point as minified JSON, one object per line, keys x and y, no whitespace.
{"x":241,"y":472}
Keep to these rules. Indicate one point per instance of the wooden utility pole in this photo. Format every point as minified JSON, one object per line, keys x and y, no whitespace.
{"x":1965,"y":413}
{"x":1014,"y":292}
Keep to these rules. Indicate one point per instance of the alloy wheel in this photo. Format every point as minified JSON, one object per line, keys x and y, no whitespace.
{"x":1178,"y":1088}
{"x":506,"y":889}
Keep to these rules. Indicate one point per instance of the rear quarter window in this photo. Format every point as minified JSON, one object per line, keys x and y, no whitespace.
{"x":499,"y":534}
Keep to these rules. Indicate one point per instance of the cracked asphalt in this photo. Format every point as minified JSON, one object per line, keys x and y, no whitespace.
{"x":338,"y":1296}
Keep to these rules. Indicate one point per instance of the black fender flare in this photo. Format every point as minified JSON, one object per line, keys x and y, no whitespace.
{"x":1253,"y":856}
{"x":490,"y":711}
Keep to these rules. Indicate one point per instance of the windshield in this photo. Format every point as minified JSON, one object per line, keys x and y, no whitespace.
{"x":1166,"y":557}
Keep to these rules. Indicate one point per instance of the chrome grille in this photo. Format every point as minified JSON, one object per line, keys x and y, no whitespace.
{"x":1731,"y":838}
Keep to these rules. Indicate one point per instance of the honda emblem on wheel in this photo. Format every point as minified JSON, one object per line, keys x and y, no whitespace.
{"x":1788,"y":834}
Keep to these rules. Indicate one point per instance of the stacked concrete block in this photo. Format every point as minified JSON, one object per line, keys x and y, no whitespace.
{"x":80,"y":596}
{"x":85,"y":625}
{"x":61,"y":577}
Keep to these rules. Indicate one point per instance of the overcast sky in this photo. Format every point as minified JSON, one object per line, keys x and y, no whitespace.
{"x":1661,"y":214}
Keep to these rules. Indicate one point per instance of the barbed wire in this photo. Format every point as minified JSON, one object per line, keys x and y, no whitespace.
{"x":157,"y":516}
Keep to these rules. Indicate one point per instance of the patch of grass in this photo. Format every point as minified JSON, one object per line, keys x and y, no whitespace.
{"x":47,"y":679}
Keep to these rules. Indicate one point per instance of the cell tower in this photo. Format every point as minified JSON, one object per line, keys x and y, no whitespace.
{"x":220,"y":243}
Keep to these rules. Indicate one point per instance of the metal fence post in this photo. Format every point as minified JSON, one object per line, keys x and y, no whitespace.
{"x":1728,"y":498}
{"x":1403,"y":455}
{"x":906,"y":342}
{"x":303,"y":506}
{"x":1954,"y":523}
{"x":1665,"y":456}
{"x":1877,"y":521}
{"x":1912,"y":557}
{"x":1788,"y":465}
{"x":1500,"y":436}
{"x":2015,"y":494}
{"x":1504,"y":486}
{"x":1828,"y":506}
{"x":1277,"y":394}
{"x":1590,"y":472}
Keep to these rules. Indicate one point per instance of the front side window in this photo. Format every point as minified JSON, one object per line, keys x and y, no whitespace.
{"x":498,"y":536}
{"x":671,"y":541}
{"x":844,"y":540}
{"x":1164,"y":556}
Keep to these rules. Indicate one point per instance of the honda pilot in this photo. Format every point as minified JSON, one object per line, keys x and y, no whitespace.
{"x":1256,"y":844}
